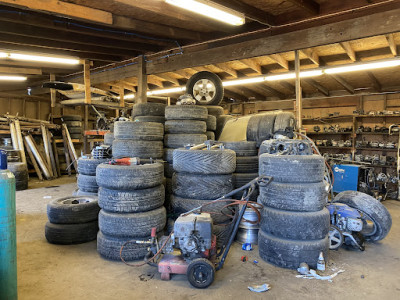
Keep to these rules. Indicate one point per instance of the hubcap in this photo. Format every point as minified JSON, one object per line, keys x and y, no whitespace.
{"x":204,"y":90}
{"x":335,"y":238}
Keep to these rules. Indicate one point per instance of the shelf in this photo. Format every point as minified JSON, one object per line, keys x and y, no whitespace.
{"x":350,"y":116}
{"x":332,"y":147}
{"x":73,"y":140}
{"x":377,"y":133}
{"x":377,"y":149}
{"x":376,"y":116}
{"x":328,"y":133}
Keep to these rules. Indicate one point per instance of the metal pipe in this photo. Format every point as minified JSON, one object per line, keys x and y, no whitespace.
{"x":36,"y":153}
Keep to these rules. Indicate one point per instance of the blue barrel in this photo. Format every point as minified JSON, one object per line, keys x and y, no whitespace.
{"x":8,"y":243}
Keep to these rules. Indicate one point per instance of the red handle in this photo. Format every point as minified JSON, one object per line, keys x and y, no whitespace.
{"x":154,"y":232}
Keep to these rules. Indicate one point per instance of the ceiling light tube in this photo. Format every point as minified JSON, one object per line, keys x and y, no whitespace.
{"x":166,"y":91}
{"x":12,"y":78}
{"x":40,"y":58}
{"x":243,"y":81}
{"x":211,"y":10}
{"x":363,"y":66}
{"x":3,"y":55}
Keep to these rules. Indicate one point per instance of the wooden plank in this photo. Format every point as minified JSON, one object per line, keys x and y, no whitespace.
{"x":142,"y":81}
{"x":122,"y":96}
{"x":375,"y":83}
{"x":71,"y":148}
{"x":252,"y":64}
{"x":343,"y":83}
{"x":392,"y":44}
{"x":52,"y":158}
{"x":299,"y":102}
{"x":310,"y":6}
{"x":57,"y":160}
{"x":288,"y":86}
{"x":86,"y":74}
{"x":33,"y":161}
{"x":28,"y":71}
{"x":280,"y":61}
{"x":311,"y":55}
{"x":66,"y":152}
{"x":66,"y":9}
{"x":316,"y":85}
{"x":227,"y":69}
{"x":270,"y":90}
{"x":349,"y":50}
{"x":53,"y":95}
{"x":165,"y":77}
{"x":47,"y":150}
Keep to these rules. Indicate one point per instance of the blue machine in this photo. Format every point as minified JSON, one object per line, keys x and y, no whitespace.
{"x":346,"y":177}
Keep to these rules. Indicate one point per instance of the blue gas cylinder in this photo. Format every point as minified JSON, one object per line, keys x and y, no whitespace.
{"x":8,"y":243}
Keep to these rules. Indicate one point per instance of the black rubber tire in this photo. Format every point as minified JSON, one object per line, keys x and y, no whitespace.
{"x":266,"y":128}
{"x":185,"y":126}
{"x":219,"y":89}
{"x":294,"y":196}
{"x":131,"y":201}
{"x":148,"y":109}
{"x":252,"y":127}
{"x":76,"y":136}
{"x":211,"y":123}
{"x":141,"y":149}
{"x":75,"y":130}
{"x":130,"y":177}
{"x":20,"y":171}
{"x":72,"y":118}
{"x":181,"y":205}
{"x":246,"y":164}
{"x":283,"y":121}
{"x":73,"y":210}
{"x":242,"y":148}
{"x":215,"y":110}
{"x":68,"y":234}
{"x":168,"y":154}
{"x":168,"y":169}
{"x":87,"y":166}
{"x":186,"y":112}
{"x":221,"y":121}
{"x":240,"y":179}
{"x":144,"y":131}
{"x":180,"y":140}
{"x":108,"y":138}
{"x":295,"y":225}
{"x":87,"y":183}
{"x":293,"y":168}
{"x":204,"y":161}
{"x":210,"y":135}
{"x":291,"y":253}
{"x":207,"y":187}
{"x":109,"y":247}
{"x":79,"y":193}
{"x":137,"y":224}
{"x":371,"y":207}
{"x":155,"y":119}
{"x":208,"y":273}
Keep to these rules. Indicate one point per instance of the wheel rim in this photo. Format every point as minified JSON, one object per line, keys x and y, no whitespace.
{"x":369,"y":226}
{"x":335,"y":238}
{"x":76,"y":201}
{"x":204,"y":90}
{"x":201,"y":274}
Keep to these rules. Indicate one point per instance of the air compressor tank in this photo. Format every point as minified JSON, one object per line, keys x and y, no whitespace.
{"x":8,"y":243}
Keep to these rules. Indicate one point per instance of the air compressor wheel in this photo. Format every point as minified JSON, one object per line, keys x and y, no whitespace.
{"x":200,"y":273}
{"x":336,"y":238}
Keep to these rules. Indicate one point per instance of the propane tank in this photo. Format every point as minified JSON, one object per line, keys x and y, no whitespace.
{"x":8,"y":244}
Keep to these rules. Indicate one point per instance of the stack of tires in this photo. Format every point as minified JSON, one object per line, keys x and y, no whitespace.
{"x":138,"y":139}
{"x":20,"y":171}
{"x":211,"y":127}
{"x":201,"y":176}
{"x":87,"y":185}
{"x":294,"y":220}
{"x":149,"y":112}
{"x":185,"y":124}
{"x":74,"y":125}
{"x":220,"y":119}
{"x":109,"y":137}
{"x":72,"y":220}
{"x":131,"y":200}
{"x":246,"y":164}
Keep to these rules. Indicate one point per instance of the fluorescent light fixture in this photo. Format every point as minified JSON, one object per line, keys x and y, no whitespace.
{"x":166,"y":91}
{"x":243,"y":81}
{"x":12,"y":78}
{"x":129,"y":96}
{"x":292,"y":75}
{"x":363,"y":66}
{"x":211,"y":10}
{"x":3,"y":55}
{"x":40,"y":58}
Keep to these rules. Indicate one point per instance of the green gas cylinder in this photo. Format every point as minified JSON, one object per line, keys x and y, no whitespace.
{"x":8,"y":243}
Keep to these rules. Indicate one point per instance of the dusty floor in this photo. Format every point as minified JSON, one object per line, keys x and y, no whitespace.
{"x":48,"y":271}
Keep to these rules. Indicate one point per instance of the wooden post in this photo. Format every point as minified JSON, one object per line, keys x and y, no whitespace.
{"x":142,"y":81}
{"x":86,"y":75}
{"x":20,"y":140}
{"x":85,"y":127}
{"x":52,"y":96}
{"x":299,"y":105}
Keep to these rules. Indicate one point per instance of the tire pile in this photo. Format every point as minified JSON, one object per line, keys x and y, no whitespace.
{"x":138,"y":139}
{"x":201,"y":176}
{"x":220,"y":119}
{"x":294,"y":220}
{"x":72,"y":220}
{"x":149,"y":112}
{"x":131,"y":200}
{"x":20,"y":171}
{"x":87,"y":185}
{"x":246,"y":164}
{"x":74,"y":125}
{"x":214,"y":112}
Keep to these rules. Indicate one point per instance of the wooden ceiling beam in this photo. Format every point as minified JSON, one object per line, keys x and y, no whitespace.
{"x":323,"y":90}
{"x":272,"y":91}
{"x":310,"y":6}
{"x":349,"y":50}
{"x":155,"y":80}
{"x":311,"y":55}
{"x":235,"y":96}
{"x":280,"y":60}
{"x":343,"y":83}
{"x":165,"y":77}
{"x":184,"y":73}
{"x":375,"y":82}
{"x":64,"y":8}
{"x":252,"y":64}
{"x":288,"y":86}
{"x":28,"y":71}
{"x":392,"y":44}
{"x":227,"y":69}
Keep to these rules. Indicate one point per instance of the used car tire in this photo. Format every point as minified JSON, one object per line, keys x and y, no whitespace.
{"x":108,"y":138}
{"x":245,"y":148}
{"x":246,"y":164}
{"x":215,"y":110}
{"x":132,"y":177}
{"x":283,"y":121}
{"x":131,"y":201}
{"x":141,"y":149}
{"x":180,"y":140}
{"x":168,"y":169}
{"x":87,"y":183}
{"x":138,"y":224}
{"x":148,"y":109}
{"x":210,"y":135}
{"x":156,"y":119}
{"x":145,"y":131}
{"x":204,"y":161}
{"x":67,"y":234}
{"x":73,"y":210}
{"x":186,"y":112}
{"x":168,"y":154}
{"x":185,"y":126}
{"x":79,"y":193}
{"x":240,"y":179}
{"x":221,"y":121}
{"x":211,"y":123}
{"x":20,"y":171}
{"x":87,"y":166}
{"x":213,"y":96}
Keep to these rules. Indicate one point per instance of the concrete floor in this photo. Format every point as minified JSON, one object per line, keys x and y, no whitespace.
{"x":48,"y":271}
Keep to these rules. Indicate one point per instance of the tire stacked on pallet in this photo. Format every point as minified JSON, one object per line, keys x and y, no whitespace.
{"x":185,"y":124}
{"x":149,"y":112}
{"x":20,"y":171}
{"x":131,"y":200}
{"x":74,"y":125}
{"x":201,"y":176}
{"x":87,"y":185}
{"x":246,"y":164}
{"x":294,"y":220}
{"x":72,"y":220}
{"x":138,"y":139}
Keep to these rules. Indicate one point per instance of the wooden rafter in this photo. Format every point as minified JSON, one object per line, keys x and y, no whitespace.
{"x":311,"y":55}
{"x":288,"y":86}
{"x":185,"y":73}
{"x":349,"y":50}
{"x":392,"y":44}
{"x":252,"y":64}
{"x":280,"y":60}
{"x":11,"y":70}
{"x":375,"y":82}
{"x":269,"y":90}
{"x":323,"y":90}
{"x":310,"y":6}
{"x":343,"y":83}
{"x":227,"y":69}
{"x":166,"y":77}
{"x":155,"y":80}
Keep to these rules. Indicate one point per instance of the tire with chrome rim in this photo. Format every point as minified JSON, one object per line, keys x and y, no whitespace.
{"x":206,"y":88}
